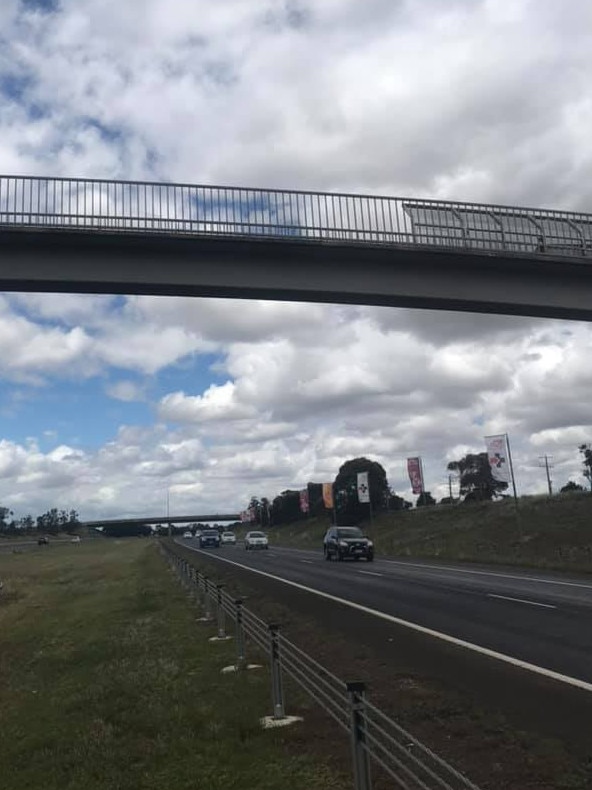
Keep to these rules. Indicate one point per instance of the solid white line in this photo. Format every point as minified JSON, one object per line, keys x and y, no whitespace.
{"x":521,"y":600}
{"x":485,"y":651}
{"x":488,"y":573}
{"x":308,"y":562}
{"x":371,"y":573}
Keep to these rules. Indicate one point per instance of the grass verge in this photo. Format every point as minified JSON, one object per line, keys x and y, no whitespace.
{"x":107,"y":682}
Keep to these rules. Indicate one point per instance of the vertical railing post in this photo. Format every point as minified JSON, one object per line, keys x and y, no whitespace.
{"x":208,"y":613}
{"x":277,"y":691}
{"x":241,"y":660}
{"x":220,"y":613}
{"x":357,"y":692}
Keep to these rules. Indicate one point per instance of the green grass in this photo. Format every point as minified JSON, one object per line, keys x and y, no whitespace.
{"x":107,"y":682}
{"x":540,"y":532}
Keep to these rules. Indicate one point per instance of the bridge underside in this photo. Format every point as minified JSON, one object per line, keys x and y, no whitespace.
{"x":308,"y":271}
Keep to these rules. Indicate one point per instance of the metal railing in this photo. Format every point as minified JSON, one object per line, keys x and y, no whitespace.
{"x":150,"y":207}
{"x":375,"y":737}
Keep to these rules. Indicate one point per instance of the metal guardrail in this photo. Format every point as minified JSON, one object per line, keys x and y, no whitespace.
{"x":375,"y":737}
{"x":150,"y":207}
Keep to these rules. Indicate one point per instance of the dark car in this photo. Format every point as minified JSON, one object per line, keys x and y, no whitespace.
{"x":347,"y":543}
{"x":43,"y":540}
{"x":209,"y":537}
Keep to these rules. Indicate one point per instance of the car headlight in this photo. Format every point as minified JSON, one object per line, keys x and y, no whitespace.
{"x":342,"y":544}
{"x":370,"y":544}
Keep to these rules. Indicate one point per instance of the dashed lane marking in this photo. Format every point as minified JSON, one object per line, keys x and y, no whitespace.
{"x":521,"y":600}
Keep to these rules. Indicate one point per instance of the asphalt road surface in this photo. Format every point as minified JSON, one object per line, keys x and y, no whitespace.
{"x":540,"y":618}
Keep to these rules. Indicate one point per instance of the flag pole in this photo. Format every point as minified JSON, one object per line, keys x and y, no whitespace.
{"x":511,"y":469}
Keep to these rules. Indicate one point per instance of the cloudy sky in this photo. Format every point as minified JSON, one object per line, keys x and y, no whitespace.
{"x":108,"y":402}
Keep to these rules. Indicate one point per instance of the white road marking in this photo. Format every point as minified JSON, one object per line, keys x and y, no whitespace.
{"x":488,"y":573}
{"x":521,"y":600}
{"x":371,"y":573}
{"x":485,"y":651}
{"x":308,"y":562}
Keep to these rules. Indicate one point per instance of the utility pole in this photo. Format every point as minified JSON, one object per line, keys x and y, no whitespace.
{"x":545,"y":459}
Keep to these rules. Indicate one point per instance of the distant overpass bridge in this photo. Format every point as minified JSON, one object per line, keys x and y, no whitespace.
{"x":215,"y":518}
{"x":96,"y":236}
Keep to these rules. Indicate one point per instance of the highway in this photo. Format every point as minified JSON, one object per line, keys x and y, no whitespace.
{"x":539,"y":619}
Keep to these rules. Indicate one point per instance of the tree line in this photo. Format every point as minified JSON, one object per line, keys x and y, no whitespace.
{"x":49,"y":523}
{"x":472,"y":474}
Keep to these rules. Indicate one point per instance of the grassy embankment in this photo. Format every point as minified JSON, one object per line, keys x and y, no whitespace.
{"x":540,"y":532}
{"x":107,"y":682}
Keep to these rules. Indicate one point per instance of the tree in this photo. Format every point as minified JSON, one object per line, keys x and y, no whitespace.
{"x":399,"y":503}
{"x":265,"y":512}
{"x":286,"y":508}
{"x":316,"y":506}
{"x":49,"y":522}
{"x":425,"y":499}
{"x":6,"y":526}
{"x":571,"y":487}
{"x":477,"y":484}
{"x":586,"y":452}
{"x":347,"y":506}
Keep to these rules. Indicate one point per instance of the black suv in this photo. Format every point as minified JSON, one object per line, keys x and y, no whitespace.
{"x":344,"y":542}
{"x":209,"y":537}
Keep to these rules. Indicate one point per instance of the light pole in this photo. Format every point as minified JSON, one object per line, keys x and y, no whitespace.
{"x":167,"y":512}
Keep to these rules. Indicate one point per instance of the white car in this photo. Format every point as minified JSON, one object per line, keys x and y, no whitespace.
{"x":228,"y":537}
{"x":187,"y":534}
{"x":256,"y":540}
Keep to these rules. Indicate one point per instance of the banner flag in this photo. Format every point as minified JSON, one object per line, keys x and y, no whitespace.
{"x":304,"y":500}
{"x":415,"y":475}
{"x":498,"y":457}
{"x":328,"y":495}
{"x":363,"y":487}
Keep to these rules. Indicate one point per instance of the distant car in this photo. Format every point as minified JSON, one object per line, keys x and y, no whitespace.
{"x":187,"y":534}
{"x":209,"y":537}
{"x":197,"y":533}
{"x":228,"y":537}
{"x":347,"y":543}
{"x":75,"y":539}
{"x":43,"y":540}
{"x":256,"y":540}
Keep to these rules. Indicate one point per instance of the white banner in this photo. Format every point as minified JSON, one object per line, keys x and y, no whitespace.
{"x":498,"y":457}
{"x":363,"y":487}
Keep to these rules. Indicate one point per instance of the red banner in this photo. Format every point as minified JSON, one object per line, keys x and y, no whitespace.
{"x":304,"y":505}
{"x":415,"y":475}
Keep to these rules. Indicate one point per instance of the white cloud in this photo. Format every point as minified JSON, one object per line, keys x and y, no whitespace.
{"x":126,"y":391}
{"x":478,"y":101}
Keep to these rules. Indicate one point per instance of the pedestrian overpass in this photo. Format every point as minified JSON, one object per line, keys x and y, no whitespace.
{"x":164,"y":520}
{"x":122,"y":237}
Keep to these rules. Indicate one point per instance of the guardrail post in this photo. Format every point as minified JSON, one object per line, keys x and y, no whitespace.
{"x":277,"y":690}
{"x":357,"y":692}
{"x":207,"y":615}
{"x":220,"y":614}
{"x":241,"y":661}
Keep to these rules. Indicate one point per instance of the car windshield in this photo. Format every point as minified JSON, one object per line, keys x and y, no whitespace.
{"x":228,"y":534}
{"x":210,"y":533}
{"x":350,"y":532}
{"x":256,"y":535}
